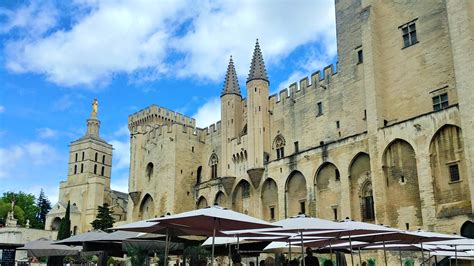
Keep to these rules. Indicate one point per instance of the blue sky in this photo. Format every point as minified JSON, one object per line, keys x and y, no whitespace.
{"x":57,"y":56}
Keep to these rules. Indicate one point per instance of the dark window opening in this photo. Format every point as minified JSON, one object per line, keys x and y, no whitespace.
{"x":149,"y":171}
{"x":192,"y":149}
{"x":320,"y":108}
{"x":337,"y":174}
{"x":245,"y":190}
{"x":365,"y":114}
{"x":214,"y":171}
{"x":302,"y":207}
{"x":369,"y":214}
{"x":280,"y":152}
{"x":82,"y":168}
{"x":334,"y":210}
{"x":95,"y":169}
{"x":454,"y":172}
{"x":102,"y":171}
{"x":409,"y":34}
{"x":407,"y":226}
{"x":440,"y":102}
{"x":103,"y":159}
{"x":338,"y":125}
{"x":83,"y":156}
{"x":75,"y":169}
{"x":76,"y":157}
{"x":95,"y":158}
{"x":272,"y":213}
{"x":297,"y":149}
{"x":198,"y":175}
{"x":360,"y":57}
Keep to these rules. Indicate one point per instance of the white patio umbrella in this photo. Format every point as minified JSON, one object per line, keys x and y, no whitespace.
{"x":295,"y":225}
{"x":405,"y":237}
{"x":211,"y":221}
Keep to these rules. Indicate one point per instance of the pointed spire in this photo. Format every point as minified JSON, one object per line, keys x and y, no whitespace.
{"x":231,"y":84}
{"x":257,"y":67}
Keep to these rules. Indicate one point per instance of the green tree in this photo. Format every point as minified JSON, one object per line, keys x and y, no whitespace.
{"x":5,"y":207}
{"x":104,"y":219}
{"x":65,"y":226}
{"x":44,"y":206}
{"x":27,"y":202}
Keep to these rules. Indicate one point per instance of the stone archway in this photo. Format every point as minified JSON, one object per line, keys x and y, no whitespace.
{"x":449,"y":171}
{"x":147,"y":208}
{"x":55,"y":224}
{"x":220,"y":199}
{"x":403,"y":204}
{"x":360,"y":188}
{"x":328,"y":191}
{"x":467,"y":229}
{"x":241,"y":197}
{"x":270,"y":200}
{"x":296,"y":194}
{"x":201,"y":203}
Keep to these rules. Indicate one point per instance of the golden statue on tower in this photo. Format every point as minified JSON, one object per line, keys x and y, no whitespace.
{"x":95,"y":106}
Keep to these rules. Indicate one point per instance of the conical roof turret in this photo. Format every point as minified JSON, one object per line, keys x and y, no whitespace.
{"x":231,"y":84}
{"x":257,"y":67}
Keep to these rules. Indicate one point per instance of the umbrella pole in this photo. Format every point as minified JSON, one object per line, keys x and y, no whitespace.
{"x":230,"y":256}
{"x":213,"y":239}
{"x":352,"y":255}
{"x":360,"y":258}
{"x":289,"y":250}
{"x":456,"y":255}
{"x":422,"y":254}
{"x":302,"y":250}
{"x":330,"y":249}
{"x":384,"y":253}
{"x":400,"y":253}
{"x":167,"y":240}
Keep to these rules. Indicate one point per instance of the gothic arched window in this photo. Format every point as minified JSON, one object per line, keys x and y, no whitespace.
{"x":279,"y":145}
{"x":213,"y":161}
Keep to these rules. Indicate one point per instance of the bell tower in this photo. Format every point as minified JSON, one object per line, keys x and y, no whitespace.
{"x":257,"y":116}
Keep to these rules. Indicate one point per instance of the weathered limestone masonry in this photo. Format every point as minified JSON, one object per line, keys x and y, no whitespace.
{"x":88,"y":182}
{"x":388,"y":138}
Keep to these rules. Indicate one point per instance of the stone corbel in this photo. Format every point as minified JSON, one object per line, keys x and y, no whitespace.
{"x":135,"y":196}
{"x":228,"y":183}
{"x":255,"y":175}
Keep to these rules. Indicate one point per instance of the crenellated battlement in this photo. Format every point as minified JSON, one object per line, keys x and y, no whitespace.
{"x":317,"y":80}
{"x":154,"y":114}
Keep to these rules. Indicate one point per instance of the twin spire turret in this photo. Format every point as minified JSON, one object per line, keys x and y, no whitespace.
{"x":257,"y":67}
{"x":231,"y":84}
{"x":257,"y":71}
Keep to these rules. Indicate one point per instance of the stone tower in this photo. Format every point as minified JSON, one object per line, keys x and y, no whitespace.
{"x":231,"y":115}
{"x":88,"y":180}
{"x":257,"y":116}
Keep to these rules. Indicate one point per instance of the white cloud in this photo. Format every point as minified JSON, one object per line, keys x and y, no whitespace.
{"x":2,"y":109}
{"x":148,"y":39}
{"x":26,"y":156}
{"x":121,"y":154}
{"x":209,"y":113}
{"x":114,"y":37}
{"x":121,"y":143}
{"x":35,"y":18}
{"x":231,"y":27}
{"x":46,"y":133}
